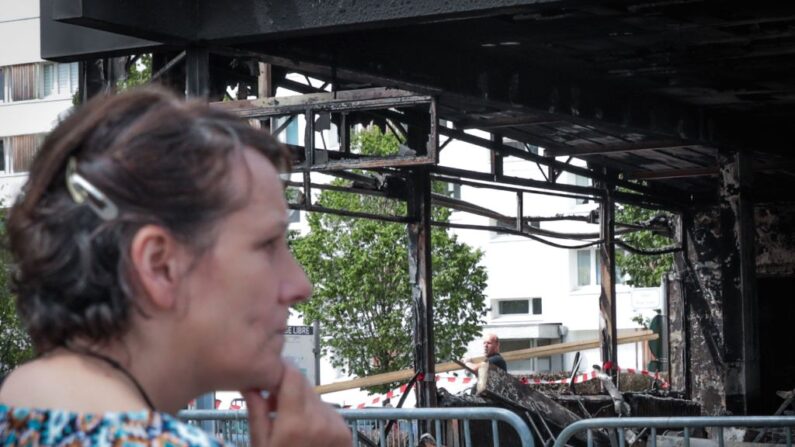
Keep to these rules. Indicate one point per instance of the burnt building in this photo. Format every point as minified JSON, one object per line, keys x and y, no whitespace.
{"x":683,"y":106}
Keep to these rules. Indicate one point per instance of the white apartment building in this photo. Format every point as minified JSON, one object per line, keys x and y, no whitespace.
{"x":33,"y":93}
{"x":539,"y":294}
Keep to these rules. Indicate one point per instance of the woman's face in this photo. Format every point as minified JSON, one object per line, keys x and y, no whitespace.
{"x":240,"y":291}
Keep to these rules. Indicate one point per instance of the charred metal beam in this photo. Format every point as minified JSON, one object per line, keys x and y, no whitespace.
{"x":514,"y":232}
{"x":608,"y":331}
{"x":517,"y":181}
{"x":344,"y":100}
{"x":506,"y":187}
{"x":506,"y":150}
{"x":598,"y":149}
{"x":672,"y":173}
{"x":346,"y":213}
{"x":172,"y":22}
{"x":63,"y":42}
{"x":740,"y":321}
{"x":243,"y":21}
{"x":168,"y":66}
{"x":421,"y":270}
{"x":198,"y":72}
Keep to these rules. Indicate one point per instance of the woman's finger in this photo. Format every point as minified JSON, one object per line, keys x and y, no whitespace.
{"x":259,"y":422}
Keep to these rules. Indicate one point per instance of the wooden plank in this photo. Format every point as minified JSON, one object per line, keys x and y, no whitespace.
{"x":521,"y":354}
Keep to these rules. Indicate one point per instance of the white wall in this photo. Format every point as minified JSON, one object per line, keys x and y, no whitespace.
{"x":20,"y":37}
{"x":18,"y":9}
{"x":31,"y":117}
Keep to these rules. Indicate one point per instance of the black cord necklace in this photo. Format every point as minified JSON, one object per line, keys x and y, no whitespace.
{"x":117,"y":366}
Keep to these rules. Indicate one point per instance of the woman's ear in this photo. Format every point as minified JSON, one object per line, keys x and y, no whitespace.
{"x":154,"y":255}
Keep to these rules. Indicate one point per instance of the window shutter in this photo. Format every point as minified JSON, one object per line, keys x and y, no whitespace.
{"x":23,"y":149}
{"x":23,"y":82}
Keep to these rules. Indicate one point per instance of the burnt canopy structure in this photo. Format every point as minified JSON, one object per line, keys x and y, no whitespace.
{"x":682,"y":105}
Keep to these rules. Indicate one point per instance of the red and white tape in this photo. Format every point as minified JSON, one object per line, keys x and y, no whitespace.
{"x":579,"y":378}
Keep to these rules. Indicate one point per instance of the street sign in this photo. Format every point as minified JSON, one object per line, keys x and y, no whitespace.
{"x":646,"y":299}
{"x":299,"y":347}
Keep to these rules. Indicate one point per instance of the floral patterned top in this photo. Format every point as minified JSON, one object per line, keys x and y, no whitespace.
{"x":33,"y":427}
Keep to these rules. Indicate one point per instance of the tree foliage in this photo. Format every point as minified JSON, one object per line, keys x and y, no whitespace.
{"x":362,"y":295}
{"x":643,"y":270}
{"x":138,"y":73}
{"x":15,"y":346}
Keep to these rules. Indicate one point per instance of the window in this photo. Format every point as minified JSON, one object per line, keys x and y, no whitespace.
{"x":2,"y":84}
{"x":589,"y":265}
{"x":293,"y":216}
{"x":538,"y":364}
{"x":526,"y":147}
{"x":512,"y":307}
{"x":2,"y":155}
{"x":581,"y":181}
{"x":454,"y":190}
{"x":536,"y":306}
{"x":583,"y":267}
{"x":59,"y":79}
{"x":35,"y":81}
{"x":17,"y":152}
{"x":24,"y":82}
{"x":520,"y":307}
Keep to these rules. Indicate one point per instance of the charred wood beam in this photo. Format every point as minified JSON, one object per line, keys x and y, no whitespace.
{"x":740,"y":321}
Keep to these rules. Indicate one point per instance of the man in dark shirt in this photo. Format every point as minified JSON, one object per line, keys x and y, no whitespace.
{"x":491,"y":347}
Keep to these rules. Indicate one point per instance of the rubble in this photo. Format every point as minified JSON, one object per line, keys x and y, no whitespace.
{"x":548,"y":408}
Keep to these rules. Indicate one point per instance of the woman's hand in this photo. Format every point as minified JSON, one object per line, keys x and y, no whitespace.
{"x":301,"y":419}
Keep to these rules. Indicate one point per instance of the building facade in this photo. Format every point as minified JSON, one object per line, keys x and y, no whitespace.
{"x":34,"y":94}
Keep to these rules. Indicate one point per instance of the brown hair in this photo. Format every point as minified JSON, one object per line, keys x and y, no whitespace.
{"x":161,"y":161}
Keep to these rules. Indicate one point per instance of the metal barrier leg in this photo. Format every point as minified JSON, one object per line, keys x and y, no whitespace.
{"x":495,"y":434}
{"x":467,"y":434}
{"x":686,"y":436}
{"x":653,"y":437}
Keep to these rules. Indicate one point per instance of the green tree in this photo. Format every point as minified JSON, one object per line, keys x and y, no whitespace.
{"x":643,"y":270}
{"x":139,"y":72}
{"x":15,"y":346}
{"x":362,"y":295}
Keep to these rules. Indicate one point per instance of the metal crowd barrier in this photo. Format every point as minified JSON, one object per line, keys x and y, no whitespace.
{"x":684,"y":423}
{"x":369,"y":425}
